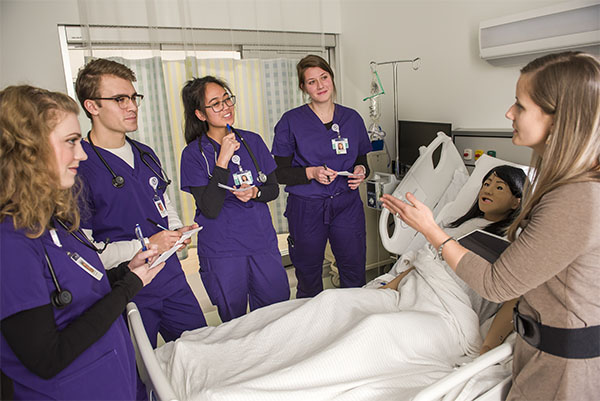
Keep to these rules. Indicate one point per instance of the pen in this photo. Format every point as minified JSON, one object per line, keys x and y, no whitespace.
{"x":325,"y":165}
{"x":157,"y":225}
{"x":140,"y":237}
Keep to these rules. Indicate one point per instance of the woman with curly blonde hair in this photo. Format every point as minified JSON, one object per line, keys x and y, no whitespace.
{"x":60,"y":310}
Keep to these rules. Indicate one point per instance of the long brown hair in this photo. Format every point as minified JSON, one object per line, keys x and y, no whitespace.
{"x":566,"y":86}
{"x":30,"y":192}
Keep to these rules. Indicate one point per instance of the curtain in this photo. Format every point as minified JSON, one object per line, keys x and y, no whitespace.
{"x":265,"y":89}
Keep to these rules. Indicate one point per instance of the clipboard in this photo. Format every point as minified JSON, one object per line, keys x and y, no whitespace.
{"x":487,"y":245}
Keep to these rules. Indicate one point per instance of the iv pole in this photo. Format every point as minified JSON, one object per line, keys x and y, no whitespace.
{"x":415,"y":66}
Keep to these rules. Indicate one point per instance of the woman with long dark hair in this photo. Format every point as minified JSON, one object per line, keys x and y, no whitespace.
{"x":230,"y":173}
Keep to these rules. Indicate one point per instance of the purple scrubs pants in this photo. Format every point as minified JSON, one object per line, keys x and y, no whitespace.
{"x":234,"y":282}
{"x":312,"y":221}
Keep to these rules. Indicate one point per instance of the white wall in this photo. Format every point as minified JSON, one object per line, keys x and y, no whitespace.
{"x":29,"y":42}
{"x":452,"y":85}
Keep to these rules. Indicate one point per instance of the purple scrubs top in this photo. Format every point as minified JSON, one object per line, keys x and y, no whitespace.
{"x":106,"y":370}
{"x":301,"y":134}
{"x":113,"y":212}
{"x":241,"y":228}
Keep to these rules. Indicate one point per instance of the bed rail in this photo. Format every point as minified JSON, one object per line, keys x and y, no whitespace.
{"x":158,"y":386}
{"x":427,"y":182}
{"x":437,"y":390}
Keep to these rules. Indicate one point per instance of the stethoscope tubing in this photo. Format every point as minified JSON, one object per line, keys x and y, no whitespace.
{"x":118,"y":181}
{"x":262,"y":178}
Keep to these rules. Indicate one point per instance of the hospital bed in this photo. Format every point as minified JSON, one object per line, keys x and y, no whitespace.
{"x":449,"y":191}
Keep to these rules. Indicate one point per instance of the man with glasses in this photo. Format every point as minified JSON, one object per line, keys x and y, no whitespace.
{"x":124,"y":184}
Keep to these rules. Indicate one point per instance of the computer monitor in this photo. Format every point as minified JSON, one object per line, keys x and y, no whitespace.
{"x":411,"y":135}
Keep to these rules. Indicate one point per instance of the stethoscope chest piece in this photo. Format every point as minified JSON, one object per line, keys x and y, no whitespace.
{"x":118,"y":181}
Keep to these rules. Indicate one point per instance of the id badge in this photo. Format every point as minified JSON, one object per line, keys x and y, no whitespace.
{"x":340,"y":145}
{"x":243,"y":177}
{"x":86,"y":266}
{"x":160,"y":206}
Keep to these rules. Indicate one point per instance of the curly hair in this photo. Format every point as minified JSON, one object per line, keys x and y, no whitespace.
{"x":31,"y":193}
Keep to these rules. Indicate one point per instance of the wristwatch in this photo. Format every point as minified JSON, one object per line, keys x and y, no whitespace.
{"x":258,"y":193}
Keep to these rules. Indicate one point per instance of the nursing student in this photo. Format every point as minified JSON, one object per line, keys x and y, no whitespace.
{"x":553,"y":264}
{"x":63,"y":332}
{"x":313,"y":143}
{"x":240,"y":263}
{"x":124,"y":185}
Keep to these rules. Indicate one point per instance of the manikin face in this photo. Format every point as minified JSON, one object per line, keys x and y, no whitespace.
{"x":531,"y":124}
{"x":110,"y":116}
{"x":216,"y":95}
{"x":495,"y":199}
{"x":318,"y":85}
{"x":65,"y":139}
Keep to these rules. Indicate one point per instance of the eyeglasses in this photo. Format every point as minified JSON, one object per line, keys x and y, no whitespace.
{"x":219,"y":105}
{"x":123,"y":100}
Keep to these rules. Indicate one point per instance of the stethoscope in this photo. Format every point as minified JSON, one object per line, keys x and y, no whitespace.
{"x":117,"y":180}
{"x":85,"y":240}
{"x":262,"y":177}
{"x":63,"y":297}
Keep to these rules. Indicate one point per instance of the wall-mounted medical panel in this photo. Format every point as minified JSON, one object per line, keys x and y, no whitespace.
{"x":472,"y":143}
{"x":519,"y":38}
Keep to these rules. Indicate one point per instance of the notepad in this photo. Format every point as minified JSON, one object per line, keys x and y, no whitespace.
{"x":234,"y":189}
{"x":166,"y":255}
{"x":488,"y":246}
{"x":347,"y":173}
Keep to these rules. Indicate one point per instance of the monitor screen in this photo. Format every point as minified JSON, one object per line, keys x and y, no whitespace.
{"x":412,"y":135}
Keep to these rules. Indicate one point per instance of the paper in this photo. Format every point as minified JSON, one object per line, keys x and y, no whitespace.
{"x":166,"y":255}
{"x":234,"y":189}
{"x":347,"y":174}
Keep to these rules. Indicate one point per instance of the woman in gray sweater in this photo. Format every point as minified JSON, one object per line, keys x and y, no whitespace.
{"x":553,"y":264}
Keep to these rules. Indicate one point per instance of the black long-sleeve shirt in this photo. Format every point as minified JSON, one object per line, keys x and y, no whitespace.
{"x":43,"y":349}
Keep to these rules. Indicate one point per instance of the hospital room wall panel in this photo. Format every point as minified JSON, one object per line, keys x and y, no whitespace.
{"x":29,"y":37}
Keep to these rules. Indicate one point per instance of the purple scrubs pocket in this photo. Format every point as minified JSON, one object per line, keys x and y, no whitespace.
{"x":103,"y":379}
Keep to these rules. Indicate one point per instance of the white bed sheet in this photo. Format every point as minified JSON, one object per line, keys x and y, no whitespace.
{"x":344,"y":344}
